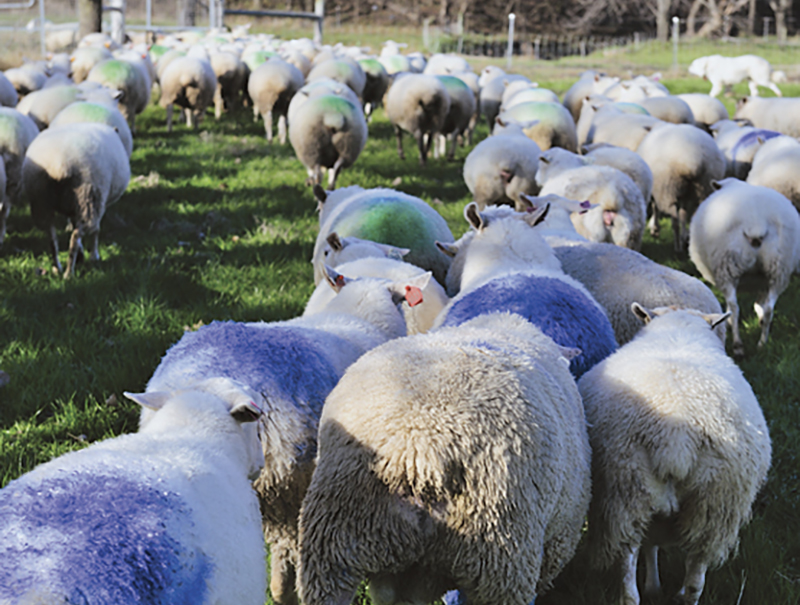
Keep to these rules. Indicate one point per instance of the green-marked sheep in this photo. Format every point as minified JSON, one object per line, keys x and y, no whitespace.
{"x":129,"y":80}
{"x":548,"y":124}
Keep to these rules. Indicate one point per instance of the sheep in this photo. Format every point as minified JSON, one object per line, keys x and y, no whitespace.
{"x":271,"y":86}
{"x":294,"y":365}
{"x":526,"y":95}
{"x":328,"y":132}
{"x":26,"y":79}
{"x":706,"y":110}
{"x":385,"y":216}
{"x":84,"y":59}
{"x":44,"y":105}
{"x":507,"y":266}
{"x":493,"y":82}
{"x":462,"y":108}
{"x":742,"y":228}
{"x":617,"y":277}
{"x":129,"y":80}
{"x":77,"y":170}
{"x":189,"y":83}
{"x":407,"y":471}
{"x":8,"y":94}
{"x":776,"y":165}
{"x":611,"y":124}
{"x":553,"y":127}
{"x":782,"y":115}
{"x":739,"y":143}
{"x":724,"y":72}
{"x":376,"y":85}
{"x":590,"y":82}
{"x":345,"y":71}
{"x":684,"y":160}
{"x":323,"y":86}
{"x":81,"y":111}
{"x":499,"y":169}
{"x":418,"y":104}
{"x":231,"y":76}
{"x":680,"y":449}
{"x":444,"y":65}
{"x":471,"y":80}
{"x":669,"y":109}
{"x":619,"y":217}
{"x":369,"y":259}
{"x":163,"y":515}
{"x":17,"y":131}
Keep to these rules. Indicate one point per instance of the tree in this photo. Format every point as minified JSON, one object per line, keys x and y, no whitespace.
{"x":780,"y":7}
{"x":90,"y":15}
{"x":662,"y":19}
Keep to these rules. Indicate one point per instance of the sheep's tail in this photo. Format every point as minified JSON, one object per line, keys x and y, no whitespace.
{"x":188,"y":80}
{"x":334,"y":120}
{"x":756,"y":234}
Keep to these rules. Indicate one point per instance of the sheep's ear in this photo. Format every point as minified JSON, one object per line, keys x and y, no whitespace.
{"x":152,"y":401}
{"x":410,"y":290}
{"x":528,"y":202}
{"x":334,"y":242}
{"x":544,"y":160}
{"x":499,"y":122}
{"x":448,"y":249}
{"x":643,"y":314}
{"x":393,"y":251}
{"x":474,"y":217}
{"x":337,"y":281}
{"x":716,"y":185}
{"x":714,"y":319}
{"x":537,"y":216}
{"x":569,"y":353}
{"x":246,"y":411}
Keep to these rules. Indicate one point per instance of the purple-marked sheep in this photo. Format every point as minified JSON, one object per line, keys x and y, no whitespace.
{"x":739,"y":229}
{"x":418,"y":104}
{"x":739,"y":144}
{"x":77,"y":170}
{"x":408,"y":492}
{"x":294,"y":365}
{"x":271,"y":87}
{"x":189,"y":83}
{"x":679,"y":450}
{"x":724,"y":72}
{"x":163,"y":515}
{"x":500,"y":168}
{"x":684,"y":160}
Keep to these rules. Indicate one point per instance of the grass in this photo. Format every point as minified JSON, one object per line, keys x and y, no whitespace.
{"x":219,"y":225}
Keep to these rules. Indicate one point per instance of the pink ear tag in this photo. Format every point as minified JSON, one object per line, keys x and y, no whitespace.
{"x":413,"y":296}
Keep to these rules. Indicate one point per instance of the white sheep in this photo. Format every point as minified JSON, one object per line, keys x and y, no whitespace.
{"x":776,"y":164}
{"x":684,"y":160}
{"x":724,"y":72}
{"x":679,"y":446}
{"x":82,"y":111}
{"x":189,"y":83}
{"x":77,"y":170}
{"x":17,"y":131}
{"x":706,"y":110}
{"x":26,"y":79}
{"x":271,"y":87}
{"x":163,"y":515}
{"x":408,"y":492}
{"x":742,"y":228}
{"x":619,"y":217}
{"x":548,"y":124}
{"x":84,"y":59}
{"x":493,"y":82}
{"x":500,"y":168}
{"x":231,"y":75}
{"x":590,"y":82}
{"x":612,"y":124}
{"x":8,"y":94}
{"x":44,"y":105}
{"x":346,"y":71}
{"x":418,"y":104}
{"x":782,"y":115}
{"x":294,"y":365}
{"x":670,"y":109}
{"x":377,"y":83}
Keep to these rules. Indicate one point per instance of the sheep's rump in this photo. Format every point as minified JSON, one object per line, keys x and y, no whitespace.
{"x":561,"y":311}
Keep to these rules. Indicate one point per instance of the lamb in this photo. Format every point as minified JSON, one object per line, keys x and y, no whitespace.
{"x":163,"y":515}
{"x":329,"y":132}
{"x":385,"y":216}
{"x":684,"y":161}
{"x":462,"y":108}
{"x":782,"y":115}
{"x":619,"y":217}
{"x":77,"y":170}
{"x":724,"y":72}
{"x":552,"y":124}
{"x":742,"y":228}
{"x":128,"y":79}
{"x":8,"y":94}
{"x":500,"y":168}
{"x":418,"y":104}
{"x":410,"y":477}
{"x":706,"y":110}
{"x":676,"y":460}
{"x":345,"y":71}
{"x":776,"y":165}
{"x":294,"y":365}
{"x":617,"y":277}
{"x":17,"y":131}
{"x":231,"y":76}
{"x":271,"y":86}
{"x":82,"y":111}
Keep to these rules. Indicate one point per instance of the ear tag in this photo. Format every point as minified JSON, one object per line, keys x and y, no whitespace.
{"x":340,"y":281}
{"x":413,"y":296}
{"x":585,"y":206}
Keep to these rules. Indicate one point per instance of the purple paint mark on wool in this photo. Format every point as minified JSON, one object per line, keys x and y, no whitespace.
{"x":97,"y":538}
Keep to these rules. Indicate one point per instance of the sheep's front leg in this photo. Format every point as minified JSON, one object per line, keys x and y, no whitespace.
{"x":732,"y":307}
{"x":54,"y":248}
{"x":681,"y":231}
{"x":423,"y":143}
{"x":334,"y":172}
{"x":74,"y":249}
{"x":652,"y":583}
{"x":169,"y":117}
{"x":282,"y":130}
{"x":398,"y":133}
{"x":630,"y":594}
{"x":282,"y":575}
{"x":693,"y":582}
{"x":267,"y":115}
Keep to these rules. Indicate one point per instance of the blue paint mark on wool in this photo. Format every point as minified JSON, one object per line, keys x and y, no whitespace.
{"x":751,"y":138}
{"x":97,"y":539}
{"x":558,"y":309}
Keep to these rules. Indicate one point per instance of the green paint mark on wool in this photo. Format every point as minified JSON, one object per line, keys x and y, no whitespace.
{"x":453,"y":84}
{"x":389,"y":221}
{"x":88,"y":112}
{"x":115,"y":72}
{"x":334,"y":103}
{"x":632,"y":108}
{"x":535,"y":110}
{"x":255,"y":59}
{"x":371,"y":66}
{"x":156,"y":51}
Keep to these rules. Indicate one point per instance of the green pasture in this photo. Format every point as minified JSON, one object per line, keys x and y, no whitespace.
{"x":218,"y":224}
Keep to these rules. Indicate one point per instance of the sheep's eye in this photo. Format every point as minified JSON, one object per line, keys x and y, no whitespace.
{"x":326,"y":252}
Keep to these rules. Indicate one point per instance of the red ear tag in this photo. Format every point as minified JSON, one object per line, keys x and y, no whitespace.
{"x":413,"y":296}
{"x":339,"y":281}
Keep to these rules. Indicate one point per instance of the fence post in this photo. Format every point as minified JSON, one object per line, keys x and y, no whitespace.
{"x":460,"y":32}
{"x":536,"y":48}
{"x":117,"y":17}
{"x":676,"y":24}
{"x":41,"y":30}
{"x":319,"y":10}
{"x":219,"y":9}
{"x":212,"y":14}
{"x":510,"y":51}
{"x":426,"y":33}
{"x":766,"y":27}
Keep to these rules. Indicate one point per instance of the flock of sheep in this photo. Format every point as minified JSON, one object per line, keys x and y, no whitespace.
{"x":445,"y":415}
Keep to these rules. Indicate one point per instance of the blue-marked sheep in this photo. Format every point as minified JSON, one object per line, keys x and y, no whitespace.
{"x":77,"y":170}
{"x":507,"y":266}
{"x":408,"y":492}
{"x":293,"y":364}
{"x":163,"y":515}
{"x":739,"y":229}
{"x":385,"y":216}
{"x":679,"y":450}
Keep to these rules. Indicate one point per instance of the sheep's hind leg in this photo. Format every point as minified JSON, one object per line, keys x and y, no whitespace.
{"x":282,"y":130}
{"x":693,"y":582}
{"x":74,"y":250}
{"x":764,"y":309}
{"x":398,"y":133}
{"x":54,"y":248}
{"x":424,"y":145}
{"x":732,"y":307}
{"x":652,"y":583}
{"x":170,"y":109}
{"x":630,"y":594}
{"x":282,"y":575}
{"x":334,"y":172}
{"x":267,"y":115}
